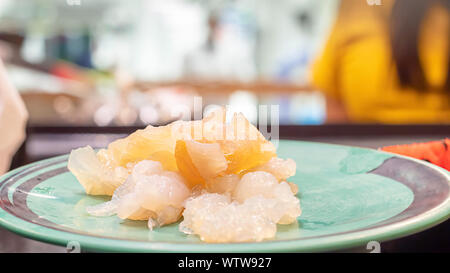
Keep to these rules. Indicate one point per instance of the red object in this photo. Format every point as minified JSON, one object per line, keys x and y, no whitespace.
{"x":436,"y":152}
{"x":66,"y":71}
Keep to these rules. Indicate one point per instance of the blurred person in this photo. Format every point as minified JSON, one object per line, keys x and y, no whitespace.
{"x":388,"y":62}
{"x":225,"y":55}
{"x":13,"y":117}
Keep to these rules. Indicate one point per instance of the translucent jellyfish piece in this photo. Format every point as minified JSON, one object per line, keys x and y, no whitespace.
{"x":253,"y":184}
{"x":215,"y":218}
{"x":95,"y":178}
{"x":223,"y":184}
{"x":152,"y":194}
{"x":266,"y":185}
{"x":139,"y":170}
{"x":156,"y":192}
{"x":282,"y":169}
{"x":168,"y":215}
{"x":104,"y":209}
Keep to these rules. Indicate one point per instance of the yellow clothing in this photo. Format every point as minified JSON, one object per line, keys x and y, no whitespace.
{"x":356,"y":67}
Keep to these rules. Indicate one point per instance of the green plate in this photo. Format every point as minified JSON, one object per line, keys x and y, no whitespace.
{"x":349,"y":196}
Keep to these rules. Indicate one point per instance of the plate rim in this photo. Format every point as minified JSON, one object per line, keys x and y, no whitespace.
{"x":331,"y":242}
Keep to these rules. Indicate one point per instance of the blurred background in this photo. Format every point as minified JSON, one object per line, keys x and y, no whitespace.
{"x":367,"y":73}
{"x":102,"y":68}
{"x":118,"y":62}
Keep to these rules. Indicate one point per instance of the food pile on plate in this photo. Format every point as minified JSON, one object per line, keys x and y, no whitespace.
{"x":222,"y":178}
